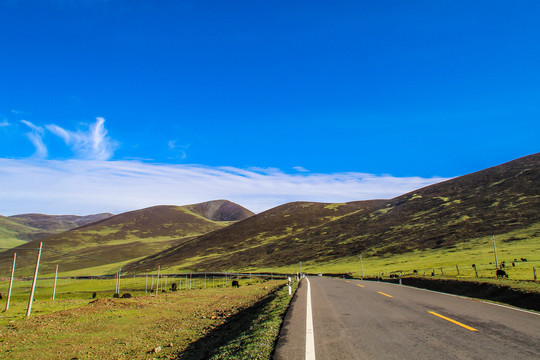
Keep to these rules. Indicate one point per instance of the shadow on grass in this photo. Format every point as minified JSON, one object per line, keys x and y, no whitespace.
{"x":237,"y":324}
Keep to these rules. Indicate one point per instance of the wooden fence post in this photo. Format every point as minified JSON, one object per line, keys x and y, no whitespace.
{"x":29,"y":310}
{"x":457,"y":268}
{"x":55,"y":278}
{"x":157,"y":280}
{"x":534,"y":273}
{"x":11,"y":281}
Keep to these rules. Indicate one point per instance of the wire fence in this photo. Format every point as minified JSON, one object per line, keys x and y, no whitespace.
{"x":18,"y":289}
{"x":519,"y":269}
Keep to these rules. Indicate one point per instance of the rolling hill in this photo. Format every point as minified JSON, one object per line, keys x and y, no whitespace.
{"x":497,"y":200}
{"x":18,"y":229}
{"x":123,"y":237}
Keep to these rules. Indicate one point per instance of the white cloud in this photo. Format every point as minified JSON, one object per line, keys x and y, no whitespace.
{"x":300,"y":169}
{"x":85,"y":187}
{"x":93,"y":144}
{"x":4,"y":123}
{"x":36,"y":138}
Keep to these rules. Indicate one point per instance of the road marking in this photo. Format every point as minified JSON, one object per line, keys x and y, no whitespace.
{"x":347,"y":281}
{"x":453,"y":321}
{"x":360,"y":285}
{"x":310,"y":339}
{"x":384,"y":294}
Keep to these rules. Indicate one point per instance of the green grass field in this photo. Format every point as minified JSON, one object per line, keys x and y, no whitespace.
{"x":146,"y":326}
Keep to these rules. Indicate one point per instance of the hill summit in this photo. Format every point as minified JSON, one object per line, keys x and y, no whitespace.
{"x":220,"y":210}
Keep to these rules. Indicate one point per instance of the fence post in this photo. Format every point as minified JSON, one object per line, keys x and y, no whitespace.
{"x":119,"y":278}
{"x":11,"y":281}
{"x":457,"y":268}
{"x":29,"y":310}
{"x":55,"y":278}
{"x":157,"y":280}
{"x":475,"y":271}
{"x":442,"y":273}
{"x":534,"y":273}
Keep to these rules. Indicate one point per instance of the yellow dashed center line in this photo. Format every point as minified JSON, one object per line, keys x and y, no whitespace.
{"x":347,"y":281}
{"x":384,"y":294}
{"x":453,"y":321}
{"x":360,"y":285}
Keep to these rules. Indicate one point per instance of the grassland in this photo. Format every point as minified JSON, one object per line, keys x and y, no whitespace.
{"x":168,"y":325}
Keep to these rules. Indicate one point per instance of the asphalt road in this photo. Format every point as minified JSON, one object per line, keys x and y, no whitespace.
{"x":355,"y":319}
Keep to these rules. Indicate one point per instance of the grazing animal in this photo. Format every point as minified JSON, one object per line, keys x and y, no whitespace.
{"x":415,"y":272}
{"x":513,"y":264}
{"x":126,"y":296}
{"x":522,"y":259}
{"x":174,"y":287}
{"x":94,"y":295}
{"x":1,"y":296}
{"x":501,"y":274}
{"x":235,"y":283}
{"x":116,"y":295}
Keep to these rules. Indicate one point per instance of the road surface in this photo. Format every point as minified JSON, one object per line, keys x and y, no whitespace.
{"x":355,"y":319}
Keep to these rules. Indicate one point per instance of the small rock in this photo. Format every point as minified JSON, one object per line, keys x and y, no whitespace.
{"x":158,"y":349}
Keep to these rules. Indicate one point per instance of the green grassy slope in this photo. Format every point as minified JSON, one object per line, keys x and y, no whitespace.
{"x":498,"y":200}
{"x":13,"y":233}
{"x":18,"y":229}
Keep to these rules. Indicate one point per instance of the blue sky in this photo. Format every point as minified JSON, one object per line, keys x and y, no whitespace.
{"x":416,"y":91}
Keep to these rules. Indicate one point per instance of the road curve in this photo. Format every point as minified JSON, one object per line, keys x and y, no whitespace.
{"x":355,"y":319}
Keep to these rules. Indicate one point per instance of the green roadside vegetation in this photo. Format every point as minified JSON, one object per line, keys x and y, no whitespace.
{"x":243,"y":323}
{"x":513,"y":245}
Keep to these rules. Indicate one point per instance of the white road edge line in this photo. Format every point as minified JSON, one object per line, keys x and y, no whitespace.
{"x":310,"y":340}
{"x":471,"y":298}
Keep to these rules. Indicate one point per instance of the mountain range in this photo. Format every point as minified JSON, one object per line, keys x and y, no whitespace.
{"x":221,"y":235}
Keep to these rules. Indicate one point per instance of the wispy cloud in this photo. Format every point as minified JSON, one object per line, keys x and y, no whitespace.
{"x":300,"y":169}
{"x":36,"y":138}
{"x":84,"y":187}
{"x":4,"y":123}
{"x":178,"y":150}
{"x":92,"y":144}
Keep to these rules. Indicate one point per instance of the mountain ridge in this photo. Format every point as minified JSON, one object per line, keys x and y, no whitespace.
{"x":496,"y":200}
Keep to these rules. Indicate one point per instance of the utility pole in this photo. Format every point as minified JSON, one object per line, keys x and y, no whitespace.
{"x":29,"y":310}
{"x":300,"y":269}
{"x":495,"y":251}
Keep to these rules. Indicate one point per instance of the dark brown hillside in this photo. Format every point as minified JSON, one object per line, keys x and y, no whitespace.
{"x":492,"y":201}
{"x":262,"y":231}
{"x":220,"y":210}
